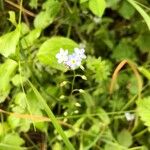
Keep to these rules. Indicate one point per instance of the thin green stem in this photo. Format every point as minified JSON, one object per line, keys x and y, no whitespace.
{"x":69,"y":31}
{"x":68,"y":7}
{"x":20,"y":12}
{"x":133,"y":98}
{"x":23,"y":90}
{"x":140,"y":133}
{"x":73,"y":80}
{"x":129,"y":102}
{"x":2,"y":4}
{"x":142,"y":5}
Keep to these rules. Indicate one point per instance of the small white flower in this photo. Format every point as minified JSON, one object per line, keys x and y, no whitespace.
{"x":80,"y":53}
{"x":62,"y":56}
{"x":77,"y":104}
{"x":97,"y":20}
{"x":129,"y":116}
{"x":73,"y":61}
{"x":82,"y":45}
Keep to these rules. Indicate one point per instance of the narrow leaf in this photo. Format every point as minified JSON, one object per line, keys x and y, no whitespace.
{"x":52,"y":117}
{"x":144,"y":110}
{"x":141,"y":11}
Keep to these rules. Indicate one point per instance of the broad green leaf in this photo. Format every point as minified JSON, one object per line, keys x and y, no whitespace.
{"x":144,"y":110}
{"x":8,"y":42}
{"x":29,"y":40}
{"x":124,"y":50}
{"x":57,"y":146}
{"x":142,"y":42}
{"x":19,"y":107}
{"x":7,"y":69}
{"x":13,"y":140}
{"x":4,"y":128}
{"x":125,"y":138}
{"x":97,"y":7}
{"x":21,"y":102}
{"x":43,"y":19}
{"x":49,"y":49}
{"x":47,"y":16}
{"x":24,"y":29}
{"x":126,"y":10}
{"x":141,"y":11}
{"x":17,"y":80}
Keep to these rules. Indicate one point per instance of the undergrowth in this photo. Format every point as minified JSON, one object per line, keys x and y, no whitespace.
{"x":74,"y":74}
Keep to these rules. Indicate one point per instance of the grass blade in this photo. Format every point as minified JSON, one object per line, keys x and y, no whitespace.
{"x":141,"y":11}
{"x":52,"y":117}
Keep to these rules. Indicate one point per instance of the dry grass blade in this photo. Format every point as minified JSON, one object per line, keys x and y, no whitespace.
{"x":23,"y":9}
{"x":134,"y":69}
{"x":35,"y":118}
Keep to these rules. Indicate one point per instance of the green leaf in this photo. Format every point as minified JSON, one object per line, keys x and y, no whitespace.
{"x":142,"y":42}
{"x":47,"y":16}
{"x":57,"y":146}
{"x":4,"y":128}
{"x":133,"y":85}
{"x":125,"y":138}
{"x":24,"y":29}
{"x":94,"y":134}
{"x":103,"y":116}
{"x":8,"y":42}
{"x":7,"y":69}
{"x":29,"y":40}
{"x":126,"y":10}
{"x":145,"y":72}
{"x":70,"y":133}
{"x":112,"y":3}
{"x":17,"y":81}
{"x":49,"y":49}
{"x":124,"y":50}
{"x":12,"y":17}
{"x":141,"y":11}
{"x":100,"y":69}
{"x":19,"y":107}
{"x":88,"y":99}
{"x":33,"y":3}
{"x":144,"y":110}
{"x":12,"y":140}
{"x":112,"y":147}
{"x":43,"y":19}
{"x":21,"y":102}
{"x":97,"y":7}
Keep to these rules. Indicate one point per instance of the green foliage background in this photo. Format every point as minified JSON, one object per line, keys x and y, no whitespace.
{"x":80,"y":111}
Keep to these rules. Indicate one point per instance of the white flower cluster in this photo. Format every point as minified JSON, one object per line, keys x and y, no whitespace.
{"x":72,"y":61}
